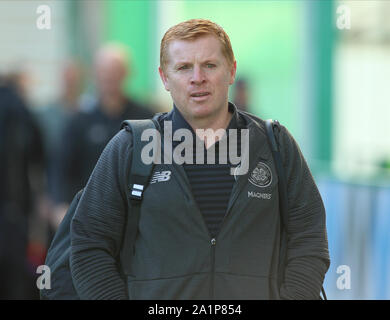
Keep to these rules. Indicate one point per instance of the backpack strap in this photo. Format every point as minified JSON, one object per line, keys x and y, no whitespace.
{"x":139,"y":172}
{"x":139,"y":176}
{"x":271,"y":126}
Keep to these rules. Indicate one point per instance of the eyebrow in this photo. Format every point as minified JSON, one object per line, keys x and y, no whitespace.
{"x":205,"y":62}
{"x":181,"y":63}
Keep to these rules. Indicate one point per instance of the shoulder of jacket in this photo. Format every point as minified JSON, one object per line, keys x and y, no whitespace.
{"x":252,"y":122}
{"x":125,"y":135}
{"x":121,"y":142}
{"x":282,"y":135}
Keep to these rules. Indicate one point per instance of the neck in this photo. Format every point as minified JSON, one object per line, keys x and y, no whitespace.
{"x":70,"y":100}
{"x":112,"y":104}
{"x":211,"y":136}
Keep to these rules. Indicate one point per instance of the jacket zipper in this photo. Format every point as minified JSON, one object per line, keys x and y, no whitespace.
{"x":213,"y":243}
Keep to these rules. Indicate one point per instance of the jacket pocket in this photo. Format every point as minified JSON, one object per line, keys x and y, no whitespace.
{"x":242,"y":287}
{"x":187,"y":287}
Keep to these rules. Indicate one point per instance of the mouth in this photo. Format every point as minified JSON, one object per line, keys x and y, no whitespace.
{"x":200,"y":96}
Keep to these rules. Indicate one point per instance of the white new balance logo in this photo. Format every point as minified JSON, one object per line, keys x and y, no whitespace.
{"x":161,"y":176}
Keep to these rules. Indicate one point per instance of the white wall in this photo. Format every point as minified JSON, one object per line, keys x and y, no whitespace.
{"x":362,"y":108}
{"x":40,"y":52}
{"x":362,"y":95}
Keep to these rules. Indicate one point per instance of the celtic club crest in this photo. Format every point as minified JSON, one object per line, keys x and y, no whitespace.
{"x":261,"y":176}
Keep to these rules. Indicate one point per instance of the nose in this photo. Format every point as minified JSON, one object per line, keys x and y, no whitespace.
{"x":198,"y":76}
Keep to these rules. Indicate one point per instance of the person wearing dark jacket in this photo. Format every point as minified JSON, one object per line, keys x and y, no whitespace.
{"x":203,"y":232}
{"x":87,"y":132}
{"x":22,"y":180}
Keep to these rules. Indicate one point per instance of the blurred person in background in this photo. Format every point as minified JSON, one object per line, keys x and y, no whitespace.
{"x":88,"y":132}
{"x":241,"y":94}
{"x":21,"y":175}
{"x":52,"y":120}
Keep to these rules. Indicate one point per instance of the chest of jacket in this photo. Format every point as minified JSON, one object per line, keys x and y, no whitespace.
{"x":175,"y":256}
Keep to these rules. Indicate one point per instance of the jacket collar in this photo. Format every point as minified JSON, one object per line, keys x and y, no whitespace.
{"x":178,"y":122}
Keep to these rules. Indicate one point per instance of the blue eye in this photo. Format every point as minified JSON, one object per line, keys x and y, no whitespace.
{"x":210,"y":65}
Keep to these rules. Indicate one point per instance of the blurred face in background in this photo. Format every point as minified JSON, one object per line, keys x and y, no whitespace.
{"x":111,"y":71}
{"x":198,"y":76}
{"x":72,"y":80}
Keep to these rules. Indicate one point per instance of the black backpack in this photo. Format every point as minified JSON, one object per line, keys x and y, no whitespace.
{"x":271,"y":126}
{"x":57,"y":258}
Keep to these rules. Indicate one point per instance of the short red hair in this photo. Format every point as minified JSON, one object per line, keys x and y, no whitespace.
{"x":192,"y":30}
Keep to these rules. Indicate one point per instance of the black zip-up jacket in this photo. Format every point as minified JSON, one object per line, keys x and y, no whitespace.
{"x":174,"y":256}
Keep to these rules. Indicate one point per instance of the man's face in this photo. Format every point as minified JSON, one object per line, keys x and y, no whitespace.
{"x":198,"y":77}
{"x":110,"y":74}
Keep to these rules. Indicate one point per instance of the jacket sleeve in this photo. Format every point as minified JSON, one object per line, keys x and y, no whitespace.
{"x":307,"y":250}
{"x":98,"y":224}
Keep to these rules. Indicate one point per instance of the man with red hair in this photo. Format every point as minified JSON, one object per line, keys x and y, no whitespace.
{"x":203,"y":232}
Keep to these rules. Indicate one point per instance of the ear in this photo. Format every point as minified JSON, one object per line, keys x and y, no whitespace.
{"x":233,"y":72}
{"x":164,"y":78}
